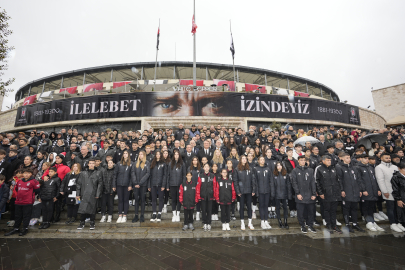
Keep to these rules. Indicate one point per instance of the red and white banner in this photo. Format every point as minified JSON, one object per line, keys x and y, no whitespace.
{"x":254,"y":87}
{"x":300,"y":94}
{"x":231,"y":84}
{"x":92,"y":87}
{"x":30,"y":100}
{"x":190,"y":82}
{"x":70,"y":90}
{"x":119,"y":84}
{"x":193,"y":27}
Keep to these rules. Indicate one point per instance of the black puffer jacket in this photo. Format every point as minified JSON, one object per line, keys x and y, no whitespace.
{"x":398,"y":187}
{"x":50,"y":189}
{"x":264,"y":181}
{"x":303,"y":183}
{"x":59,"y":149}
{"x":328,"y":184}
{"x":367,"y":175}
{"x":108,"y":180}
{"x":351,"y":182}
{"x":122,"y":175}
{"x":282,"y":187}
{"x":140,"y":176}
{"x":287,"y":164}
{"x":245,"y":182}
{"x":158,"y":175}
{"x":175,"y":175}
{"x":68,"y":186}
{"x":271,"y":163}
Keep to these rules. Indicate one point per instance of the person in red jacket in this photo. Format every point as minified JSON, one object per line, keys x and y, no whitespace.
{"x":26,"y":188}
{"x":18,"y":176}
{"x":188,"y":197}
{"x":60,"y":165}
{"x":225,"y":195}
{"x":205,"y":193}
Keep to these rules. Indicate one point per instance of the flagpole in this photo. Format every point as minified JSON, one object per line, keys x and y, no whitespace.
{"x":233,"y":59}
{"x":194,"y":63}
{"x":154,"y":79}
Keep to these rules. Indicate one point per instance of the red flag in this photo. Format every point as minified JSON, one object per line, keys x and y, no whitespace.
{"x":194,"y":27}
{"x":30,"y":100}
{"x":300,"y":94}
{"x":70,"y":90}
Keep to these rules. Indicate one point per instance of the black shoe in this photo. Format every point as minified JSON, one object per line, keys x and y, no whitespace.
{"x":357,"y":227}
{"x":153,"y":218}
{"x":56,"y":220}
{"x":311,"y":229}
{"x":349,"y":227}
{"x":336,"y":229}
{"x":46,"y":225}
{"x":136,"y":219}
{"x":303,"y":229}
{"x":42,"y":225}
{"x":159,"y":217}
{"x":13,"y":231}
{"x":142,"y":219}
{"x":330,"y":229}
{"x":81,"y":225}
{"x":72,"y":220}
{"x":23,"y":232}
{"x":92,"y":225}
{"x":280,"y":224}
{"x":286,"y":224}
{"x":67,"y":221}
{"x":233,"y":217}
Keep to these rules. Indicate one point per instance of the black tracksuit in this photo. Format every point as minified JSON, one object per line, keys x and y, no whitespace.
{"x":157,"y":180}
{"x":225,"y":195}
{"x":48,"y":191}
{"x":367,"y":175}
{"x":205,"y":191}
{"x":188,"y":197}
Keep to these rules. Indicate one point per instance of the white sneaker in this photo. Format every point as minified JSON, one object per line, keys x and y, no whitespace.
{"x":378,"y":217}
{"x":370,"y":226}
{"x":317,"y":214}
{"x":263,"y":225}
{"x":119,"y":219}
{"x":267,"y":224}
{"x":216,"y":217}
{"x":324,"y":222}
{"x":212,"y":217}
{"x":338,"y":223}
{"x":102,"y":219}
{"x":223,"y":226}
{"x":116,"y":197}
{"x":130,"y":202}
{"x":242,"y":225}
{"x":178,"y":216}
{"x":378,"y":228}
{"x":253,"y":215}
{"x":109,"y":219}
{"x":174,"y":217}
{"x":384,"y":216}
{"x":205,"y":227}
{"x":197,"y":216}
{"x":164,"y":210}
{"x":11,"y":223}
{"x":40,"y":219}
{"x":87,"y":220}
{"x":133,"y":202}
{"x":124,"y":219}
{"x":209,"y":227}
{"x":395,"y":228}
{"x":227,"y":227}
{"x":250,"y":225}
{"x":401,"y":227}
{"x":238,"y":205}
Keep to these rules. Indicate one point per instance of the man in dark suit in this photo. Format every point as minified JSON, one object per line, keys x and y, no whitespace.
{"x":322,"y":145}
{"x":188,"y":156}
{"x":206,"y":151}
{"x":194,"y":147}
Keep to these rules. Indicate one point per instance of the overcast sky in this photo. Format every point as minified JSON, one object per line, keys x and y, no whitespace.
{"x":350,"y":46}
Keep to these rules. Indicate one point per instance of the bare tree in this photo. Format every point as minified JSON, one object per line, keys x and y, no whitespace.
{"x":5,"y":50}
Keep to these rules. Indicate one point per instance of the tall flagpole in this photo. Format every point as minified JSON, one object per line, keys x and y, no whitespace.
{"x":233,"y":58}
{"x":194,"y":63}
{"x":157,"y":50}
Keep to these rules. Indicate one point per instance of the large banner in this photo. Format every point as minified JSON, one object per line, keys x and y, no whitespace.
{"x":188,"y":103}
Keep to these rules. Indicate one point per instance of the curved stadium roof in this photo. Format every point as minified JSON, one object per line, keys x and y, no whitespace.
{"x":174,"y":70}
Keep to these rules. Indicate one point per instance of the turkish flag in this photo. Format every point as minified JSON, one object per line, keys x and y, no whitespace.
{"x":253,"y":87}
{"x":92,"y":87}
{"x":190,"y":82}
{"x":119,"y":84}
{"x":70,"y":90}
{"x":300,"y":94}
{"x":193,"y":27}
{"x":30,"y":100}
{"x":231,"y":84}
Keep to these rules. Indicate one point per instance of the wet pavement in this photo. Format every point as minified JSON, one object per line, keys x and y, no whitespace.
{"x":288,"y":251}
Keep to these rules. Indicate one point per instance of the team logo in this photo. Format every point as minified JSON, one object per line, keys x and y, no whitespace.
{"x":23,"y":110}
{"x":353,"y":112}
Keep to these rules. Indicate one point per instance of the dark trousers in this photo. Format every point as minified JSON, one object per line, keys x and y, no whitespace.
{"x":378,"y":204}
{"x":47,"y":210}
{"x":368,"y":210}
{"x":157,"y":192}
{"x":22,"y":214}
{"x":304,"y":209}
{"x":215,"y":208}
{"x":391,"y":211}
{"x":188,"y":216}
{"x":292,"y":205}
{"x":107,"y":200}
{"x":285,"y":210}
{"x":123,"y":200}
{"x":330,"y":213}
{"x":72,"y":210}
{"x":198,"y":206}
{"x":206,"y":211}
{"x":225,"y":213}
{"x":166,"y":196}
{"x":174,"y":193}
{"x":139,"y":194}
{"x":350,"y":209}
{"x":233,"y":206}
{"x":58,"y":209}
{"x":84,"y":216}
{"x":245,"y":198}
{"x":322,"y":209}
{"x":254,"y":200}
{"x":263,"y":202}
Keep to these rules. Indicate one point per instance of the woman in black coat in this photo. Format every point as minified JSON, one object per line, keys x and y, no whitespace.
{"x":68,"y":189}
{"x":176,"y":175}
{"x":140,"y":175}
{"x":283,"y":192}
{"x":166,"y":159}
{"x":157,"y":182}
{"x":108,"y":192}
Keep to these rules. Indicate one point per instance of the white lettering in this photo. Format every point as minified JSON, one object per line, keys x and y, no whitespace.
{"x":124,"y":106}
{"x":114,"y":106}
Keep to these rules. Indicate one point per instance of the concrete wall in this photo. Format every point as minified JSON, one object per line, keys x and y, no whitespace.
{"x":389,"y":102}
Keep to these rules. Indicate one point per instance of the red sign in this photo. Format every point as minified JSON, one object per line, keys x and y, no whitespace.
{"x":30,"y":100}
{"x":231,"y":84}
{"x":119,"y":84}
{"x":92,"y":87}
{"x":254,"y":87}
{"x":70,"y":90}
{"x":190,"y":82}
{"x":300,"y":94}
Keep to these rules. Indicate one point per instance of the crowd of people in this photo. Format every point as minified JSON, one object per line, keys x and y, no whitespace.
{"x":210,"y":172}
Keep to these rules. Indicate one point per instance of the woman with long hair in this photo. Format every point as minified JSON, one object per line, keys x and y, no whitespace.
{"x":216,"y":171}
{"x":232,"y":143}
{"x":122,"y":184}
{"x":265,"y":189}
{"x":234,"y":157}
{"x":176,"y":175}
{"x":195,"y":169}
{"x":166,"y":159}
{"x":157,"y":182}
{"x":218,"y":159}
{"x":231,"y":176}
{"x":283,"y":192}
{"x":245,"y":187}
{"x":243,"y":144}
{"x":140,"y":175}
{"x":68,"y":189}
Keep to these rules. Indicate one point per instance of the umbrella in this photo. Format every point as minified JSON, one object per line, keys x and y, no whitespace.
{"x":305,"y":139}
{"x":370,"y":138}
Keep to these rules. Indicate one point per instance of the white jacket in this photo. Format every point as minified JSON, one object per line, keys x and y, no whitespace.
{"x":384,"y":173}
